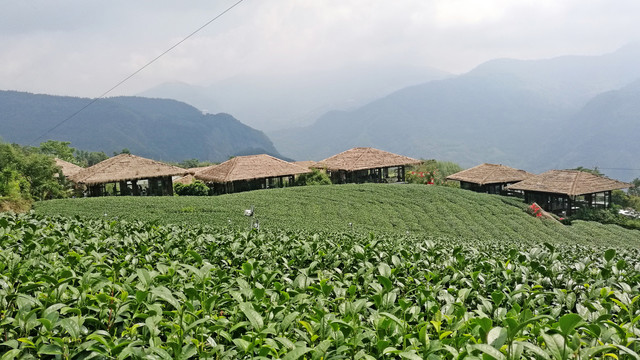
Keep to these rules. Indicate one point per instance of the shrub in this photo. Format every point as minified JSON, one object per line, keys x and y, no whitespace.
{"x":196,"y":188}
{"x":315,"y":177}
{"x":433,"y":172}
{"x":618,"y":197}
{"x":606,"y":216}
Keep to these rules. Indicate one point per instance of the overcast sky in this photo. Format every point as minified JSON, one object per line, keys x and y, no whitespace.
{"x":84,"y":47}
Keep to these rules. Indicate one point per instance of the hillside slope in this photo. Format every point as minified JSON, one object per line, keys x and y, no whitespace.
{"x":160,"y":129}
{"x":429,"y":211}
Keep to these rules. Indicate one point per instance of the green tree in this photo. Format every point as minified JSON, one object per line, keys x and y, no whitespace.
{"x":594,"y":171}
{"x":89,"y":158}
{"x":315,"y":177}
{"x":35,"y":173}
{"x":59,"y":149}
{"x":634,"y":189}
{"x":123,"y":151}
{"x":196,"y":188}
{"x":193,"y":163}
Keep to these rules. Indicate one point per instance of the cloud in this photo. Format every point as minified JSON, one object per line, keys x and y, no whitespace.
{"x":81,"y":47}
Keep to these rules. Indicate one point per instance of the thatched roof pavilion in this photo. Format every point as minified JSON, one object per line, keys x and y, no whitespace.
{"x":251,"y":172}
{"x":201,"y":168}
{"x":566,"y":190}
{"x":68,"y":169}
{"x":489,"y":178}
{"x":184,"y":180}
{"x":365,"y":164}
{"x":309,"y":164}
{"x":125,"y":171}
{"x":190,"y":177}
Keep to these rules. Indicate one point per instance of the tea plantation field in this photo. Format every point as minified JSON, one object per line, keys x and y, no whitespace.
{"x":432,"y":211}
{"x":74,"y":288}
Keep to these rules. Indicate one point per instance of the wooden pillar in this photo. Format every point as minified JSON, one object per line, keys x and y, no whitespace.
{"x":167,"y":186}
{"x":134,"y":188}
{"x":569,"y":206}
{"x":589,"y":199}
{"x":94,"y":190}
{"x":124,"y":189}
{"x":401,"y":173}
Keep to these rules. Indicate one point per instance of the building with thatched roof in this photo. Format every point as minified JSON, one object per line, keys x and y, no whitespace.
{"x":489,"y":178}
{"x":201,"y":168}
{"x":364,"y":164}
{"x":564,"y":191}
{"x":68,"y":169}
{"x":190,"y":177}
{"x":309,"y":164}
{"x":184,"y":180}
{"x":127,"y":174}
{"x":251,"y":172}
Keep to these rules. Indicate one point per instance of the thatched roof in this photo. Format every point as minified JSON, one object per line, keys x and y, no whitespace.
{"x":68,"y":169}
{"x":125,"y":167}
{"x":309,"y":164}
{"x":490,"y":174}
{"x":186,"y":180}
{"x":362,"y":158}
{"x":249,"y":168}
{"x":568,"y":182}
{"x":198,"y":169}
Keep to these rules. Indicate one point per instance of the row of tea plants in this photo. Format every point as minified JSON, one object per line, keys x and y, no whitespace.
{"x":81,"y":289}
{"x":380,"y":208}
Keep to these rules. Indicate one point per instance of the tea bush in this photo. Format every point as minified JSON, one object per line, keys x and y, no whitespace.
{"x":72,"y":288}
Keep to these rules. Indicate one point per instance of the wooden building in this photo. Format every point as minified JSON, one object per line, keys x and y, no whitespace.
{"x":253,"y":172}
{"x":565,"y":191}
{"x":363,"y":164}
{"x":309,"y":164}
{"x":127,"y":174}
{"x":489,"y":178}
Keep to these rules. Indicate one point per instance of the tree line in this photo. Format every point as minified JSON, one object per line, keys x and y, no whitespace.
{"x":29,"y":173}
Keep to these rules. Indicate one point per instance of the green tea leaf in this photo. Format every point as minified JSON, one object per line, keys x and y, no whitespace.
{"x":256,"y":320}
{"x":384,"y":270}
{"x":489,"y":350}
{"x":296,"y":353}
{"x":50,"y":350}
{"x":609,"y":254}
{"x":568,"y":322}
{"x":497,"y":337}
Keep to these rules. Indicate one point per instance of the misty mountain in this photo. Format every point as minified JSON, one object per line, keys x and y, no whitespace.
{"x":604,"y":133}
{"x":279,"y":101}
{"x":160,"y":129}
{"x":503,"y":111}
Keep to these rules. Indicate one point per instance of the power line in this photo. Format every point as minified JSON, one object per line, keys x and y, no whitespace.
{"x":136,"y":72}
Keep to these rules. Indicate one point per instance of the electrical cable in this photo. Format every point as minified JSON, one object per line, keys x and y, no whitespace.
{"x":135,"y":72}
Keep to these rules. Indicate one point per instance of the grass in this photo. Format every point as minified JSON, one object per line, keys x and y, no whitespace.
{"x":431,"y":211}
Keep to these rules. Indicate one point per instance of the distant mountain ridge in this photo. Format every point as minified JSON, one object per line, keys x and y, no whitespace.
{"x":521,"y":113}
{"x":605,"y":133}
{"x":272,"y":102}
{"x":160,"y":129}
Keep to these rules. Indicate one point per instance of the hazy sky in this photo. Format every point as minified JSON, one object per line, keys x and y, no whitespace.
{"x":84,"y":47}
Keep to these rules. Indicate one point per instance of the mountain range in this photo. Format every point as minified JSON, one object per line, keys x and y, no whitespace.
{"x":277,"y":101}
{"x":160,"y":129}
{"x":537,"y":114}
